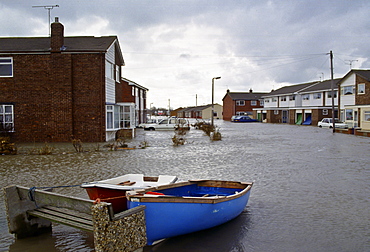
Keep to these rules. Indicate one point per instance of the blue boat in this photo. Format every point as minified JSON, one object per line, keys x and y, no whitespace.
{"x":186,"y":207}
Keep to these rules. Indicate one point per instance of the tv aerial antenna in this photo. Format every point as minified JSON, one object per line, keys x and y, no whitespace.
{"x":49,"y":8}
{"x":350,"y":63}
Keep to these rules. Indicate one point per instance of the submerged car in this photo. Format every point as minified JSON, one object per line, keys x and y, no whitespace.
{"x":169,"y":124}
{"x":243,"y":119}
{"x":328,"y":122}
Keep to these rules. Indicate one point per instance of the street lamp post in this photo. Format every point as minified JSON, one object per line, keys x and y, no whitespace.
{"x":213,"y":93}
{"x":151,"y":112}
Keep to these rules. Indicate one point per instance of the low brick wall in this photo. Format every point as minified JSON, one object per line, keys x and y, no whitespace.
{"x":362,"y":133}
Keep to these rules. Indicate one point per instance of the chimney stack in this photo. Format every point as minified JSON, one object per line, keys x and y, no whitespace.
{"x":57,"y":36}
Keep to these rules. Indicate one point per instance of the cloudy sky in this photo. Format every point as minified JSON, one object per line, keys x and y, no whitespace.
{"x":175,"y":47}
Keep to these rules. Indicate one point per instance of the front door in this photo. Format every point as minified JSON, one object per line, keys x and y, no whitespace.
{"x":285,"y":116}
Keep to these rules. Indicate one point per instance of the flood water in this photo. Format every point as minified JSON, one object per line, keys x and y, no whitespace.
{"x":311,"y":187}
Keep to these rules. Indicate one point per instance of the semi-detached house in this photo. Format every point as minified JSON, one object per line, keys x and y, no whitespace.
{"x":58,"y":88}
{"x":355,"y":99}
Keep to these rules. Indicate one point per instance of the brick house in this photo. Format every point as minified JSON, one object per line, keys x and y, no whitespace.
{"x":57,"y":88}
{"x":355,"y":99}
{"x":134,"y":95}
{"x":241,"y":103}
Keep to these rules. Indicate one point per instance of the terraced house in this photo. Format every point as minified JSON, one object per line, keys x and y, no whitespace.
{"x":305,"y":103}
{"x":58,"y":88}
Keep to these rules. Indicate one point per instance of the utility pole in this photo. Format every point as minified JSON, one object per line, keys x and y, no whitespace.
{"x":49,"y":8}
{"x":332,"y":90}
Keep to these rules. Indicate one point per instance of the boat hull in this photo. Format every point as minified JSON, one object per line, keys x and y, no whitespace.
{"x":114,"y":190}
{"x":167,"y":219}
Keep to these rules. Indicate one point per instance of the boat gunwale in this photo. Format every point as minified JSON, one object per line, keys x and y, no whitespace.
{"x":140,"y":196}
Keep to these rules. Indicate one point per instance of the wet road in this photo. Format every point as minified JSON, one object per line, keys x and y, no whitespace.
{"x":311,"y":190}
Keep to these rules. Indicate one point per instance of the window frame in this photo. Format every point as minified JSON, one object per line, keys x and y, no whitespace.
{"x":240,"y":103}
{"x":306,"y":97}
{"x":362,"y":85}
{"x":348,"y":90}
{"x":7,"y":63}
{"x":367,"y":115}
{"x":330,"y":93}
{"x":6,"y":118}
{"x":317,"y":96}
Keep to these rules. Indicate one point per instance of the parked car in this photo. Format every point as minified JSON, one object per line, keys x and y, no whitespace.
{"x":169,"y":124}
{"x":243,"y":119}
{"x":153,"y":120}
{"x":328,"y":122}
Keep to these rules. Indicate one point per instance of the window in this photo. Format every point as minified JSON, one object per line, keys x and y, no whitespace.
{"x":335,"y":94}
{"x":306,"y":97}
{"x":349,"y":114}
{"x":117,"y":74}
{"x":276,"y":112}
{"x":6,"y":67}
{"x":109,"y":70}
{"x":367,"y":116}
{"x":6,"y":118}
{"x":253,"y":103}
{"x":325,"y":112}
{"x":125,"y":119}
{"x":291,"y":97}
{"x":361,"y":88}
{"x":317,"y":95}
{"x":348,"y":90}
{"x":283,"y":98}
{"x":267,"y":100}
{"x":274,"y":99}
{"x":240,"y":103}
{"x":110,"y":117}
{"x":262,"y":102}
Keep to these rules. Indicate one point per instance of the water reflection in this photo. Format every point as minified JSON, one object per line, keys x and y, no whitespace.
{"x":310,"y":193}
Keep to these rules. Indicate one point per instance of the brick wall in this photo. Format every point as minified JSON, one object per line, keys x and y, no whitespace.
{"x":363,"y":99}
{"x":56,"y":96}
{"x":228,"y":108}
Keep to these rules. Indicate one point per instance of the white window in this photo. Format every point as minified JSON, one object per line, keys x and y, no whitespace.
{"x":110,"y":117}
{"x":291,"y":97}
{"x":125,"y":117}
{"x":367,"y":116}
{"x":240,"y":103}
{"x":317,"y":95}
{"x":109,"y":70}
{"x":117,"y":74}
{"x":253,"y":103}
{"x":349,"y":114}
{"x":267,"y":100}
{"x":335,"y":94}
{"x":348,"y":90}
{"x":6,"y":67}
{"x":325,"y":112}
{"x":6,"y":118}
{"x":283,"y":98}
{"x":261,"y":102}
{"x":361,"y":88}
{"x":306,"y":97}
{"x":274,"y":99}
{"x":276,"y":112}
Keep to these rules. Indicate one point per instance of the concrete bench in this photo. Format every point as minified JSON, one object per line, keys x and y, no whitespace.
{"x":31,"y":211}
